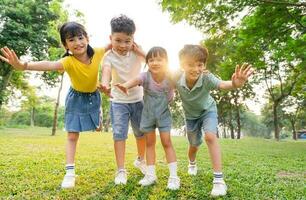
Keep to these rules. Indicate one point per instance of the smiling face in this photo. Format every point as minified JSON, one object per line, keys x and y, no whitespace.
{"x":193,"y":59}
{"x":77,"y":45}
{"x":121,"y":42}
{"x":157,"y":64}
{"x":193,"y":68}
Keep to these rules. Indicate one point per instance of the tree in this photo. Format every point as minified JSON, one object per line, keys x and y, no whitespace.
{"x":30,"y":21}
{"x":269,"y":33}
{"x":291,"y":107}
{"x":30,"y":103}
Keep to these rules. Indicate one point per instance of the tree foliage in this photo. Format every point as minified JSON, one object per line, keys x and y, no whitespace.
{"x":269,"y":34}
{"x":25,"y":27}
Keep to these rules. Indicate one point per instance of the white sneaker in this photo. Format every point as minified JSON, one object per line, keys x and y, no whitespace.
{"x":68,"y":181}
{"x":173,"y":183}
{"x":192,"y":169}
{"x":141,"y":165}
{"x":219,"y":188}
{"x":147,"y":180}
{"x":120,"y":177}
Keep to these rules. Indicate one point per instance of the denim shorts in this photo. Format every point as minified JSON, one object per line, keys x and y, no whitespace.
{"x":121,"y":114}
{"x":196,"y":127}
{"x":82,"y":111}
{"x":150,"y":123}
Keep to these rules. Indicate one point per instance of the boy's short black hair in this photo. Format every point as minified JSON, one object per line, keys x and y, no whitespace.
{"x":123,"y":24}
{"x":197,"y":52}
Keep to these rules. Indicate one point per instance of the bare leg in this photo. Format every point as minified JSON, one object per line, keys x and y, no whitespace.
{"x":192,"y":153}
{"x":119,"y":153}
{"x":141,"y":147}
{"x":150,"y":145}
{"x":72,"y":140}
{"x":168,"y":147}
{"x":214,"y":151}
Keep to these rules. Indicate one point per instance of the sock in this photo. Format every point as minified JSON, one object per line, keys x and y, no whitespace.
{"x":70,"y":169}
{"x":121,"y":169}
{"x":151,"y":169}
{"x":192,"y":162}
{"x":218,"y":176}
{"x":173,"y":169}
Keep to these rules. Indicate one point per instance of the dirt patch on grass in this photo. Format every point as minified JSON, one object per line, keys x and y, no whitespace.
{"x":284,"y":174}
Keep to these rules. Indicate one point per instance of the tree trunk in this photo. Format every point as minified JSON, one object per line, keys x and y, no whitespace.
{"x":294,"y":135}
{"x":224,"y":131}
{"x":3,"y":86}
{"x":32,"y":117}
{"x":56,"y":106}
{"x":231,"y":126}
{"x":238,"y":118}
{"x":106,"y":123}
{"x":224,"y":128}
{"x":275,"y":121}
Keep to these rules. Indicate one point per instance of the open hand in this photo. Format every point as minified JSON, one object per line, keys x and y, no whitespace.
{"x":241,"y":75}
{"x":11,"y":58}
{"x":106,"y":90}
{"x":122,"y":88}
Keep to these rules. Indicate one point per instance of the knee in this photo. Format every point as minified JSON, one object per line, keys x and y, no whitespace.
{"x":150,"y":143}
{"x":167,"y":144}
{"x":73,"y":137}
{"x":210,"y":138}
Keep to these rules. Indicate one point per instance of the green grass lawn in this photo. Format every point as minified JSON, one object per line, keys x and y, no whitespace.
{"x":32,"y":167}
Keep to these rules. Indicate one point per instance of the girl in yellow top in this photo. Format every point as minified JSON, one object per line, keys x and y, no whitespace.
{"x":81,"y":62}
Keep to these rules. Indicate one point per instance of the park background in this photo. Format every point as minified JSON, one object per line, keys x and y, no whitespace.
{"x":261,"y":125}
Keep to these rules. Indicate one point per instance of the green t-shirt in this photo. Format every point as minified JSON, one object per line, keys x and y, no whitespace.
{"x":198,"y":100}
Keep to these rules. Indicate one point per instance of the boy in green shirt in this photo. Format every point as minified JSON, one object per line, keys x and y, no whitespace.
{"x":200,"y":108}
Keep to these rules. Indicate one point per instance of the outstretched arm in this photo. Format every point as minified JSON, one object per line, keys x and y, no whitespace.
{"x":105,"y":83}
{"x":11,"y":58}
{"x":241,"y":75}
{"x":129,"y":84}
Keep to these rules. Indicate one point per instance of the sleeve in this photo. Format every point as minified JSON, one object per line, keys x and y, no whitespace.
{"x":211,"y":81}
{"x":142,"y":77}
{"x":106,"y":61}
{"x":65,"y":62}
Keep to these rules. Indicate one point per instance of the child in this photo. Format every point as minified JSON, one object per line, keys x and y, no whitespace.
{"x":200,"y":108}
{"x":158,"y":92}
{"x":120,"y":64}
{"x":83,"y":101}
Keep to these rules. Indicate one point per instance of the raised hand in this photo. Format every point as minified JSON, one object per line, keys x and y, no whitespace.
{"x":122,"y":88}
{"x":138,"y":50}
{"x":241,"y":75}
{"x":11,"y":58}
{"x":106,"y":90}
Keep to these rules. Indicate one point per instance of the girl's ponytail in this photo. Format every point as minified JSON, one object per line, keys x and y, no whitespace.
{"x":90,"y":51}
{"x":66,"y":54}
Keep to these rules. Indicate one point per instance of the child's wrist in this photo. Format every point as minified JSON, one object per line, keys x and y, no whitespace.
{"x":234,"y":85}
{"x":25,"y":65}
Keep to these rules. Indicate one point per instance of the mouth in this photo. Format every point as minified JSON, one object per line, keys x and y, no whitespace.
{"x":79,"y":48}
{"x":194,"y":74}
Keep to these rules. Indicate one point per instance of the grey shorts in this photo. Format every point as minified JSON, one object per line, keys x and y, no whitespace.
{"x":150,"y":122}
{"x":197,"y":127}
{"x":121,"y":115}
